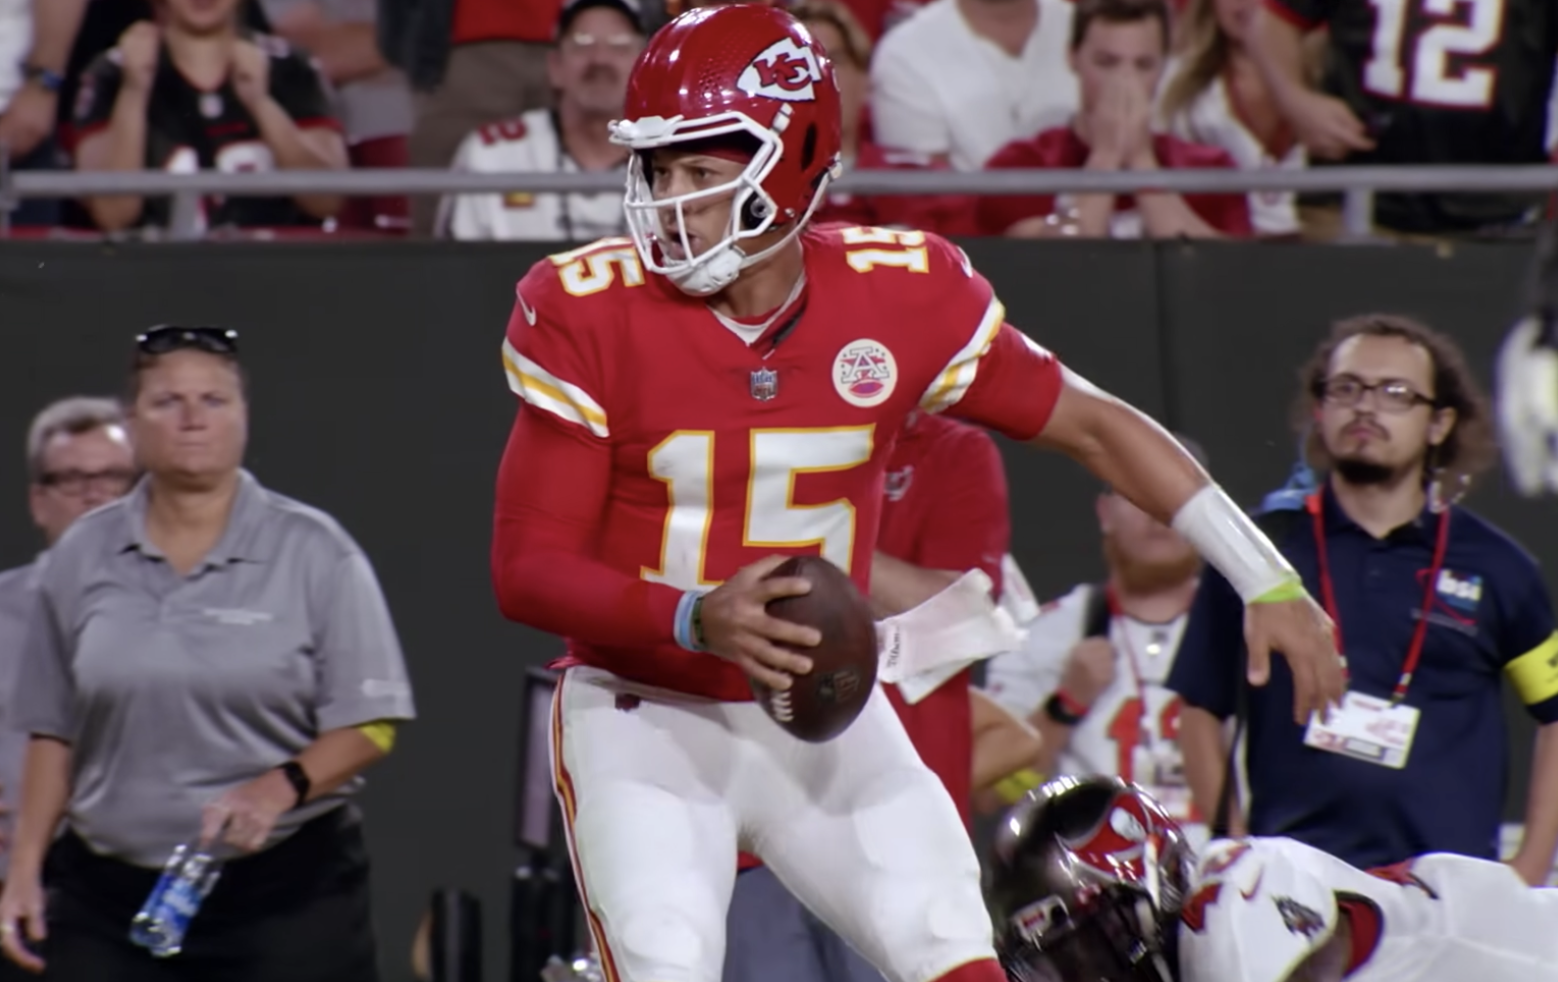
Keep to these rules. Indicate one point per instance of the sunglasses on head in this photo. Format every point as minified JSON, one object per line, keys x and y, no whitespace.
{"x":167,"y":337}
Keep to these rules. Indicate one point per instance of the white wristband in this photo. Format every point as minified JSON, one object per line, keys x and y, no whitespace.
{"x":1231,"y":543}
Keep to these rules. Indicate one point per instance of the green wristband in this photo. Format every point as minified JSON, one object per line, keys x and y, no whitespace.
{"x":1291,"y":590}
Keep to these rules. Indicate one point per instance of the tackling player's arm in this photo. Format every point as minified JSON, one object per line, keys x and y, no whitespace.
{"x":1003,"y":744}
{"x":897,"y":586}
{"x":1000,"y":378}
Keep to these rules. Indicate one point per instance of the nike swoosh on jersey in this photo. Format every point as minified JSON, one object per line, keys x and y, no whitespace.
{"x":530,"y":315}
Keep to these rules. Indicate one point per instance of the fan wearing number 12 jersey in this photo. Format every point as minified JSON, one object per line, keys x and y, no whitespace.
{"x":1440,"y":82}
{"x":722,"y":390}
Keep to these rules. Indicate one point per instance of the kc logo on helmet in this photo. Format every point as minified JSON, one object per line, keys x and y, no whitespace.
{"x":784,"y":70}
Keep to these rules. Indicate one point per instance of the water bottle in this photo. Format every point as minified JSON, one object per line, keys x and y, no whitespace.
{"x":164,"y":919}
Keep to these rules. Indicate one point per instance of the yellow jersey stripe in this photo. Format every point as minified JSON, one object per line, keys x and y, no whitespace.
{"x":954,"y":380}
{"x":544,"y":390}
{"x":1535,"y":673}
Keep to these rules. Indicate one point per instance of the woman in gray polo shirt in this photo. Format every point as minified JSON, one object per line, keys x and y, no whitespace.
{"x":208,"y":660}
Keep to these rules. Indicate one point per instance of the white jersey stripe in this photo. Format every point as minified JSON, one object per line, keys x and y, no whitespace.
{"x":953,"y":381}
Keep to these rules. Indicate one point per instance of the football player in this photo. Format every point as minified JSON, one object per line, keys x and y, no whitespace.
{"x":1093,"y":882}
{"x":719,"y":391}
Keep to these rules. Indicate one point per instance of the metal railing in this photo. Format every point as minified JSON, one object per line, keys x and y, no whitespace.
{"x":1357,"y":184}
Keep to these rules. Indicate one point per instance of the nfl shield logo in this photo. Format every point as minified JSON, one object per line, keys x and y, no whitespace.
{"x":765,"y":384}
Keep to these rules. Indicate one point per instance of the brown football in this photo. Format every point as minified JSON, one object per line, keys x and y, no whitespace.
{"x":822,"y":703}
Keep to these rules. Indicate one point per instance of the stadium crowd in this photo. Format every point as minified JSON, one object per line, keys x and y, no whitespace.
{"x":529,"y":86}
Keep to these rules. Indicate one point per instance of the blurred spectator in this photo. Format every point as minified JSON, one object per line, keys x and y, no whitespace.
{"x":196,"y":93}
{"x":471,"y":62}
{"x":1117,"y":53}
{"x":598,"y":41}
{"x":372,"y":100}
{"x":877,"y":17}
{"x":1215,"y":96}
{"x":1432,"y":606}
{"x":849,"y":48}
{"x":78,"y":457}
{"x":962,"y":78}
{"x":35,"y":39}
{"x":104,"y":22}
{"x":1090,"y":677}
{"x":1417,"y":82}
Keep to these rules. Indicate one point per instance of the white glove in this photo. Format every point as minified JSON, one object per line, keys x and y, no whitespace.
{"x":922,"y":648}
{"x":1528,"y":409}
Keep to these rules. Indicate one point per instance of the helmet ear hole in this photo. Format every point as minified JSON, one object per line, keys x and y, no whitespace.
{"x":754,"y":210}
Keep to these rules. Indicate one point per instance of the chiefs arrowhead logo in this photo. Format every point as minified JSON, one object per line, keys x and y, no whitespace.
{"x":784,"y":70}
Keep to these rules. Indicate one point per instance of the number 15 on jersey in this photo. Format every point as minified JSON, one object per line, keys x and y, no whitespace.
{"x":688,"y":463}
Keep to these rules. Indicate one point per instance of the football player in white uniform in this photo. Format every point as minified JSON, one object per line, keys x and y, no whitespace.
{"x":1093,"y":882}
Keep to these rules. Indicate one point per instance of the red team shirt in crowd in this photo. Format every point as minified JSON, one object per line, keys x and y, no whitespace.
{"x":1062,"y":149}
{"x":504,"y":20}
{"x":944,"y":214}
{"x":663,"y":453}
{"x":945,"y":507}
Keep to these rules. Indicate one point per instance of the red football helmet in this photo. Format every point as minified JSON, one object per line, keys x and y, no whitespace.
{"x":747,"y":70}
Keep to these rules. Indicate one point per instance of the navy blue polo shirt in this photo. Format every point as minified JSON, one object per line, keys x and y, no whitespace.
{"x":1490,"y":615}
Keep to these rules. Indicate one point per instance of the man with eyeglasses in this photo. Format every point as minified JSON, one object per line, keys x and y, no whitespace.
{"x":78,"y":457}
{"x":597,"y":43}
{"x":1433,"y":608}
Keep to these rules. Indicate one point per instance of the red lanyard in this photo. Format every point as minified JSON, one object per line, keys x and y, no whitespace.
{"x":1317,"y":509}
{"x":1116,"y":614}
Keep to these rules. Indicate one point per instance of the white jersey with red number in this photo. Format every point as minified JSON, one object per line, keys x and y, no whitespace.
{"x":1132,"y":729}
{"x":728,"y":447}
{"x":1259,"y":907}
{"x":528,"y":144}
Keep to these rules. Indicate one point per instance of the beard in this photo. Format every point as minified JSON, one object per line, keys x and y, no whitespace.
{"x":1367,"y":473}
{"x":1140,"y":576}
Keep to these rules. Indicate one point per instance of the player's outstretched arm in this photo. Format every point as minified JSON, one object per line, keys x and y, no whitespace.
{"x":1125,"y":448}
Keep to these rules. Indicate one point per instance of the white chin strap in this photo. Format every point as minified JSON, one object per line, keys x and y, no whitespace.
{"x":714,"y":272}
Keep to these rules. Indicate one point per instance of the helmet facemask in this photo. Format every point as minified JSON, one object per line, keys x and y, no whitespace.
{"x":1108,"y":933}
{"x":753,"y":211}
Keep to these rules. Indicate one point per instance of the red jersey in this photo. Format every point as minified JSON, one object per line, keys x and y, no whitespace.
{"x":944,"y":214}
{"x":658,"y":452}
{"x":504,"y":20}
{"x":945,"y":507}
{"x":1062,"y":149}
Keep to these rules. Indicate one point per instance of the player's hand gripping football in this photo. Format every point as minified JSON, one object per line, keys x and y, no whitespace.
{"x":1304,"y":634}
{"x":736,"y":624}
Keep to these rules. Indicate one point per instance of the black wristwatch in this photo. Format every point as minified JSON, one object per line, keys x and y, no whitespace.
{"x":298,"y":778}
{"x":46,"y":80}
{"x":1055,"y":708}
